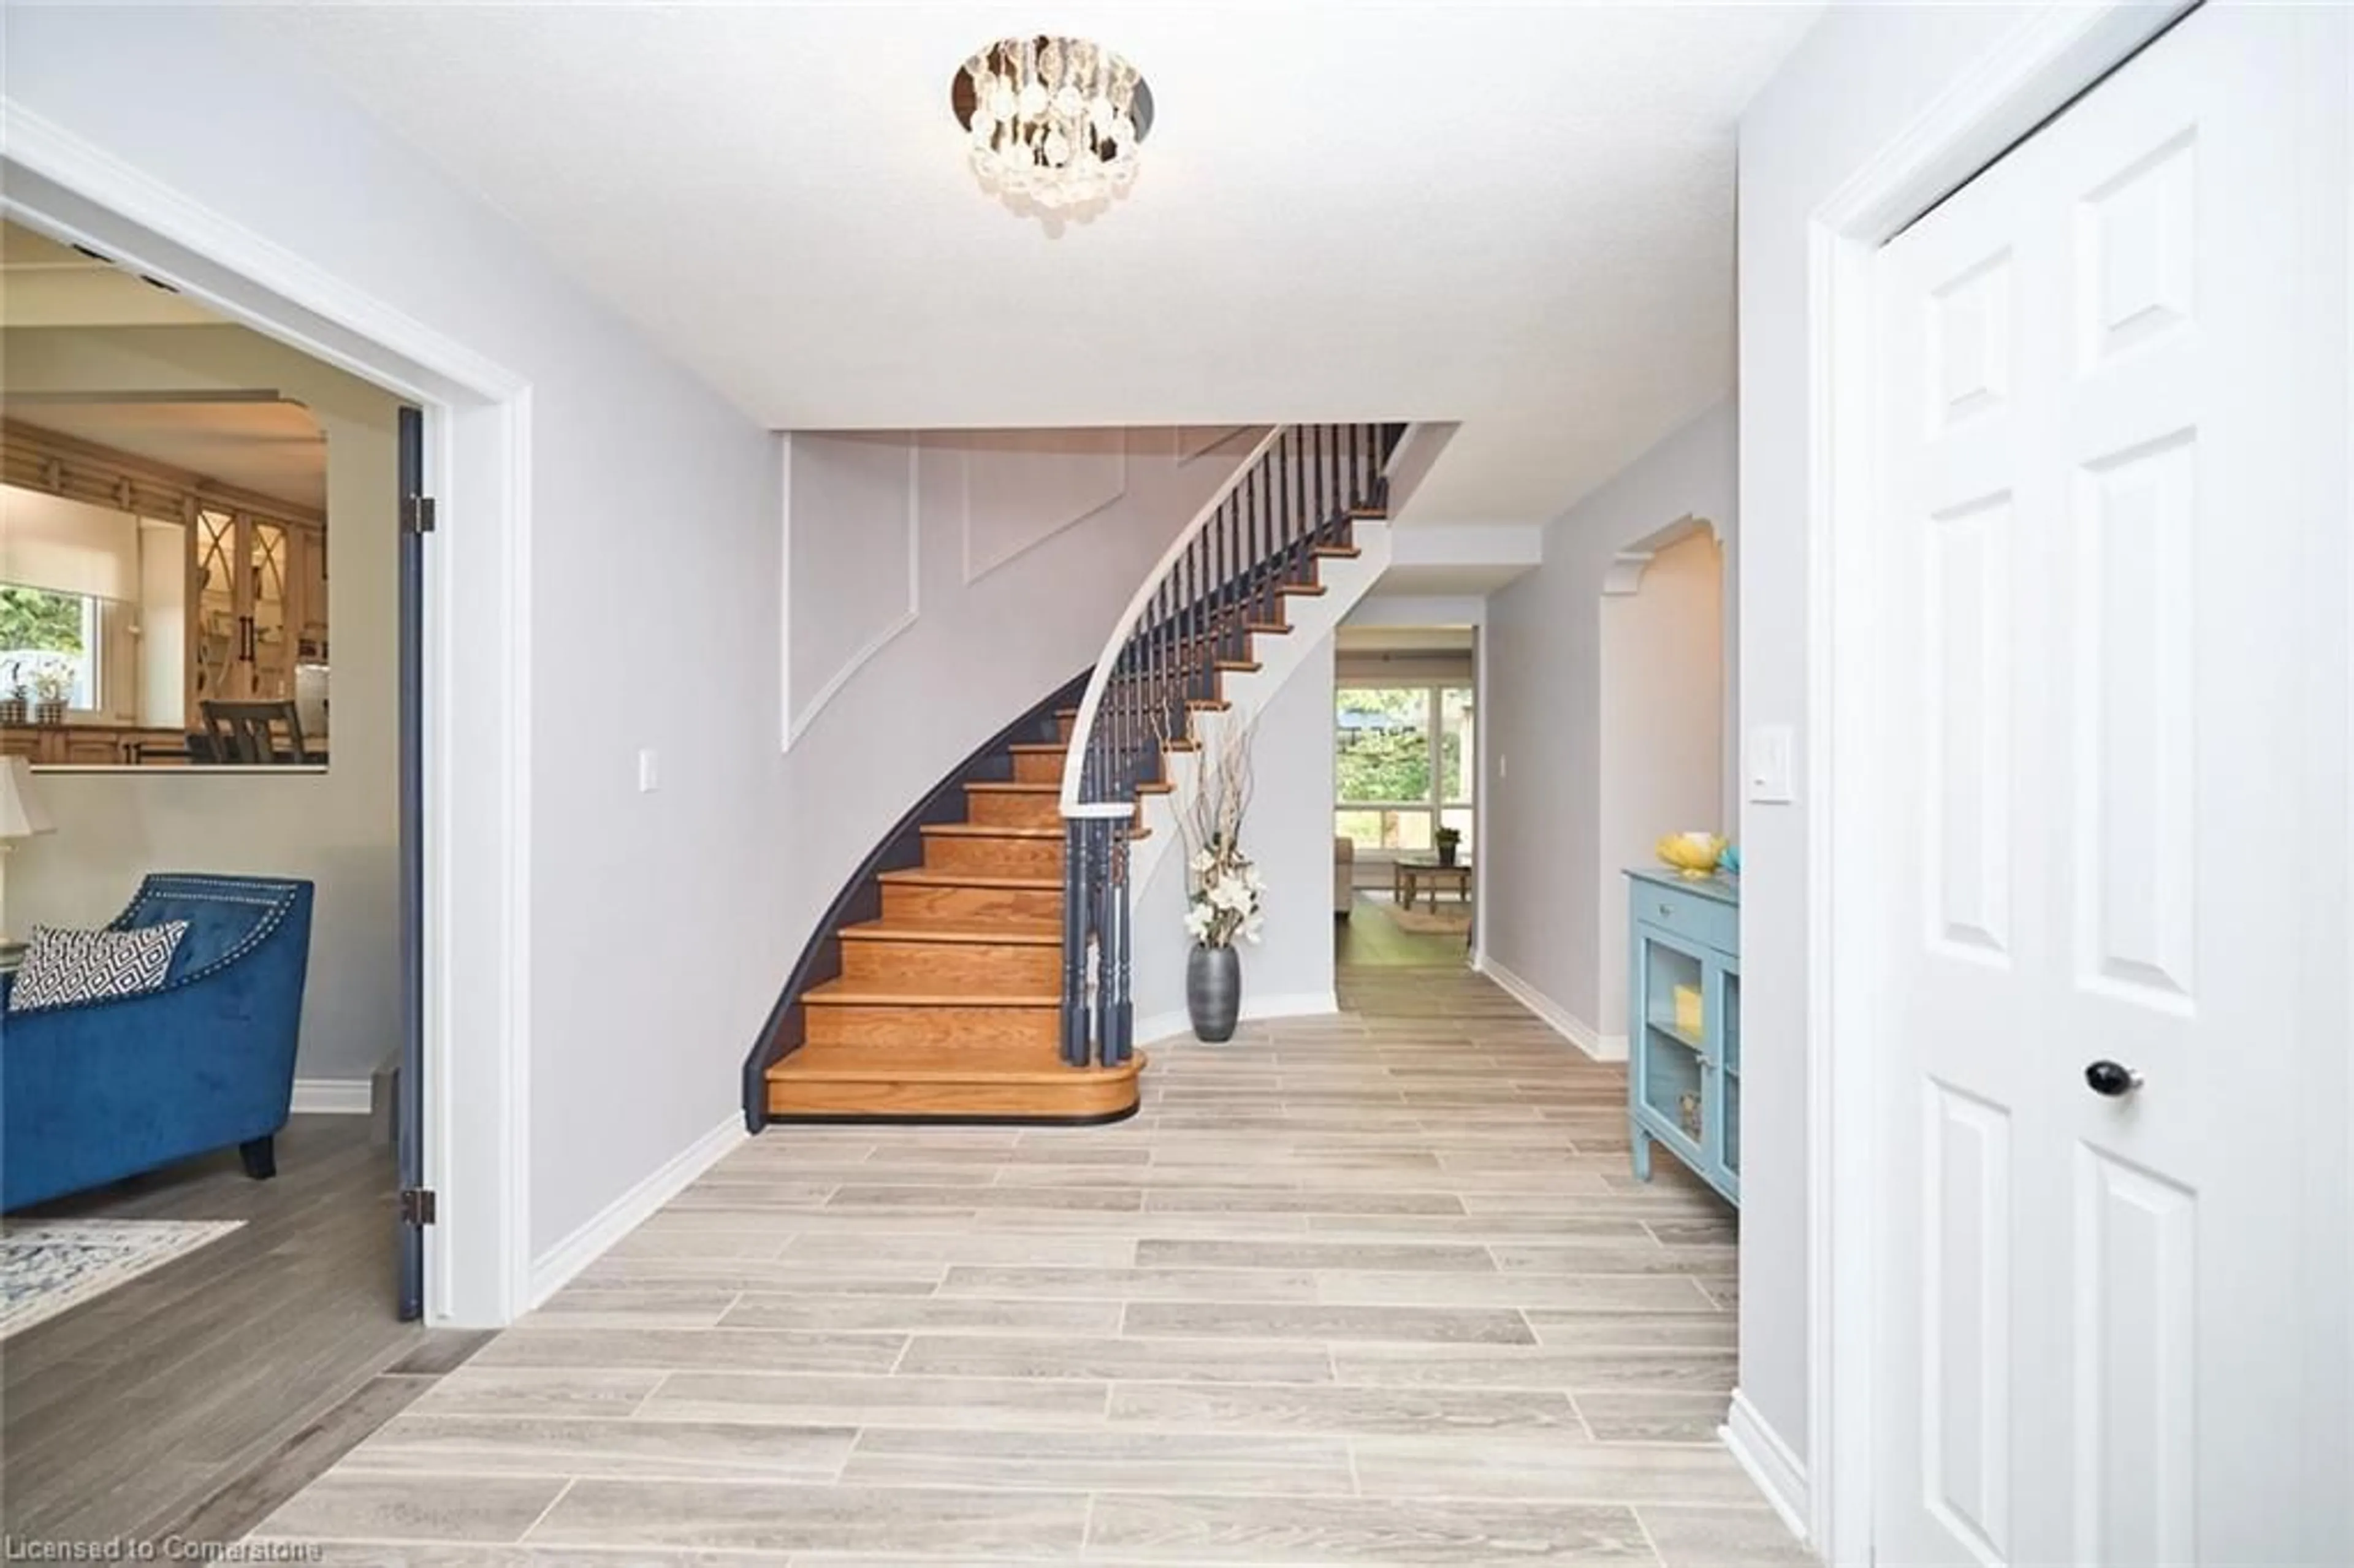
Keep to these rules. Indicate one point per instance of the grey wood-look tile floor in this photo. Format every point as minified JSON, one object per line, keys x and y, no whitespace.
{"x":191,"y":1400}
{"x":1373,"y":1288}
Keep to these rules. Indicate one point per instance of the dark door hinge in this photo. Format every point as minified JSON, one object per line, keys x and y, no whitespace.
{"x":417,"y":1205}
{"x":417,"y":513}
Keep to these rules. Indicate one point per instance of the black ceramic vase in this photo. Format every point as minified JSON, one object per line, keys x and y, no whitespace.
{"x":1214,"y":992}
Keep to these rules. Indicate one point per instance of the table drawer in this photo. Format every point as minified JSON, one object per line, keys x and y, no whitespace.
{"x":1689,"y":916}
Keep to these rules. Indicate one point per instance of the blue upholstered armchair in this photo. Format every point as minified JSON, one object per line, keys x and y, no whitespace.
{"x":94,"y":1091}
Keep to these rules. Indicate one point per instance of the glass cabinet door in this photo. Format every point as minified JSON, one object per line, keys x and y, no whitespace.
{"x":1668,"y":1032}
{"x":1723,"y":993}
{"x":217,"y":634}
{"x":270,"y":642}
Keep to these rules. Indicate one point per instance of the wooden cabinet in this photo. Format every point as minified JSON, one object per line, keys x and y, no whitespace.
{"x":90,"y":744}
{"x":1683,"y":1025}
{"x":257,"y":597}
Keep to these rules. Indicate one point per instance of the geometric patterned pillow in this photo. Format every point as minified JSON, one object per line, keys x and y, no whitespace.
{"x":61,"y":967}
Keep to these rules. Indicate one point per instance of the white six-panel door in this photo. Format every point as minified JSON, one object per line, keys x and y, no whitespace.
{"x":2093,"y":493}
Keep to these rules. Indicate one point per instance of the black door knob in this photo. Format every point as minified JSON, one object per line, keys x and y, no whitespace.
{"x":2112,"y":1079}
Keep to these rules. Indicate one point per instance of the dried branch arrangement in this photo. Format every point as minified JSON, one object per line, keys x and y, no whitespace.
{"x":1223,"y":889}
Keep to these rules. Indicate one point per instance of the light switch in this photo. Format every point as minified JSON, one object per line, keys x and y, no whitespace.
{"x":1772,"y":760}
{"x":648,"y":771}
{"x":1500,"y":760}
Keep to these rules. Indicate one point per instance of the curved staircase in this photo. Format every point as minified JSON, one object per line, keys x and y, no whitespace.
{"x":976,"y":967}
{"x":949,"y":1002}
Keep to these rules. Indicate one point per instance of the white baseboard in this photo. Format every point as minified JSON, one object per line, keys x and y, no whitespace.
{"x":1768,"y":1459}
{"x":1569,"y":1026}
{"x":330,"y":1096}
{"x":1296,"y":1004}
{"x":554,"y":1268}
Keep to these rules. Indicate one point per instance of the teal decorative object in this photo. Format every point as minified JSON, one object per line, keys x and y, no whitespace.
{"x":1729,"y":861}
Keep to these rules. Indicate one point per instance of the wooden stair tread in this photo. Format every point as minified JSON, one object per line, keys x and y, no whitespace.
{"x":989,"y":831}
{"x":932,"y":877}
{"x":1239,"y":667}
{"x":1311,"y":589}
{"x":1041,"y":748}
{"x":940,"y":1062}
{"x":911,"y":992}
{"x":1014,"y":787}
{"x":1338,"y":552}
{"x":1272,"y":628}
{"x":1019,"y":933}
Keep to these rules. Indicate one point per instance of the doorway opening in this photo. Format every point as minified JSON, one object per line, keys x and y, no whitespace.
{"x":1405,"y":813}
{"x":415,"y":912}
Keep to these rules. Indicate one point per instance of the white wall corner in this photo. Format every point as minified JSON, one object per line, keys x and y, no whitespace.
{"x":1568,"y":1025}
{"x":330,"y":1096}
{"x":556,"y":1268}
{"x":1769,"y":1461}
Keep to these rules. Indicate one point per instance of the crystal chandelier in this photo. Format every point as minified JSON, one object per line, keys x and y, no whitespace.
{"x":1054,"y":122}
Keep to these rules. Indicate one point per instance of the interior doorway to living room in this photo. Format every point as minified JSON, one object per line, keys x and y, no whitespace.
{"x":1405,"y":813}
{"x":209,"y":598}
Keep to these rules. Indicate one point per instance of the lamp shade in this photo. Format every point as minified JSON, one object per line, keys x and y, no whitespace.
{"x":21,"y":816}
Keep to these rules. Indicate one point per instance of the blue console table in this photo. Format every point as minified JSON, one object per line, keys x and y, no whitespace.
{"x":1683,"y":1023}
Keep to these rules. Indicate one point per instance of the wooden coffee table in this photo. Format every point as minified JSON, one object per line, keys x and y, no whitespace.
{"x":1410,"y":875}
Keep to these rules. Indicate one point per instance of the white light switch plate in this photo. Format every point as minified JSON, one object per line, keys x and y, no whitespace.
{"x":1772,"y":763}
{"x":648,"y":771}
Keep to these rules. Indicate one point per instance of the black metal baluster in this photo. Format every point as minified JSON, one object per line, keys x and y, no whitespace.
{"x":1117,"y":1026}
{"x":1075,"y":942}
{"x":1274,"y":556}
{"x":1324,"y":478}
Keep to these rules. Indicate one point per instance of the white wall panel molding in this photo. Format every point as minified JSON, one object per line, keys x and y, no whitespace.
{"x":1021,"y":488}
{"x":801,"y":714}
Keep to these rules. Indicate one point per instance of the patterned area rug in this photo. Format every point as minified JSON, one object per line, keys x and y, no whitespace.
{"x":1453,"y":919}
{"x":47,"y":1265}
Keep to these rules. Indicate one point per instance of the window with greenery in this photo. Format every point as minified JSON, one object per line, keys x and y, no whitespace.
{"x":40,"y":630}
{"x":1405,"y":764}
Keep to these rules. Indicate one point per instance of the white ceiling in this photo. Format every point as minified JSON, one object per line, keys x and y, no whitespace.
{"x":275,"y":448}
{"x":1520,"y":217}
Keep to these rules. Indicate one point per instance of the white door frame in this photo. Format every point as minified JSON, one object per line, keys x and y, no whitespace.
{"x":2048,"y":59}
{"x":477,"y":667}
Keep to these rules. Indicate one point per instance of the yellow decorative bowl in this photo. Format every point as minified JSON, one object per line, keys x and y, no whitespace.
{"x":1693,"y":855}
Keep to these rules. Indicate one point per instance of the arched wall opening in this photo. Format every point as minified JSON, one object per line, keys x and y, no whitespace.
{"x":1661,"y":764}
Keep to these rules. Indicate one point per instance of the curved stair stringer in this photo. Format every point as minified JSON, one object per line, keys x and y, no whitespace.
{"x":1279,"y":657}
{"x":928,"y":991}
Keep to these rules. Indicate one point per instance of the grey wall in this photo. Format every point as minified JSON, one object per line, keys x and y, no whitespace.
{"x":1289,"y":834}
{"x":1862,"y":75}
{"x":338,"y":828}
{"x":656,"y":922}
{"x":1541,"y":853}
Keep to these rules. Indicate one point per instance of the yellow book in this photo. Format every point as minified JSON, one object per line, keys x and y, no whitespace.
{"x":1688,"y":1009}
